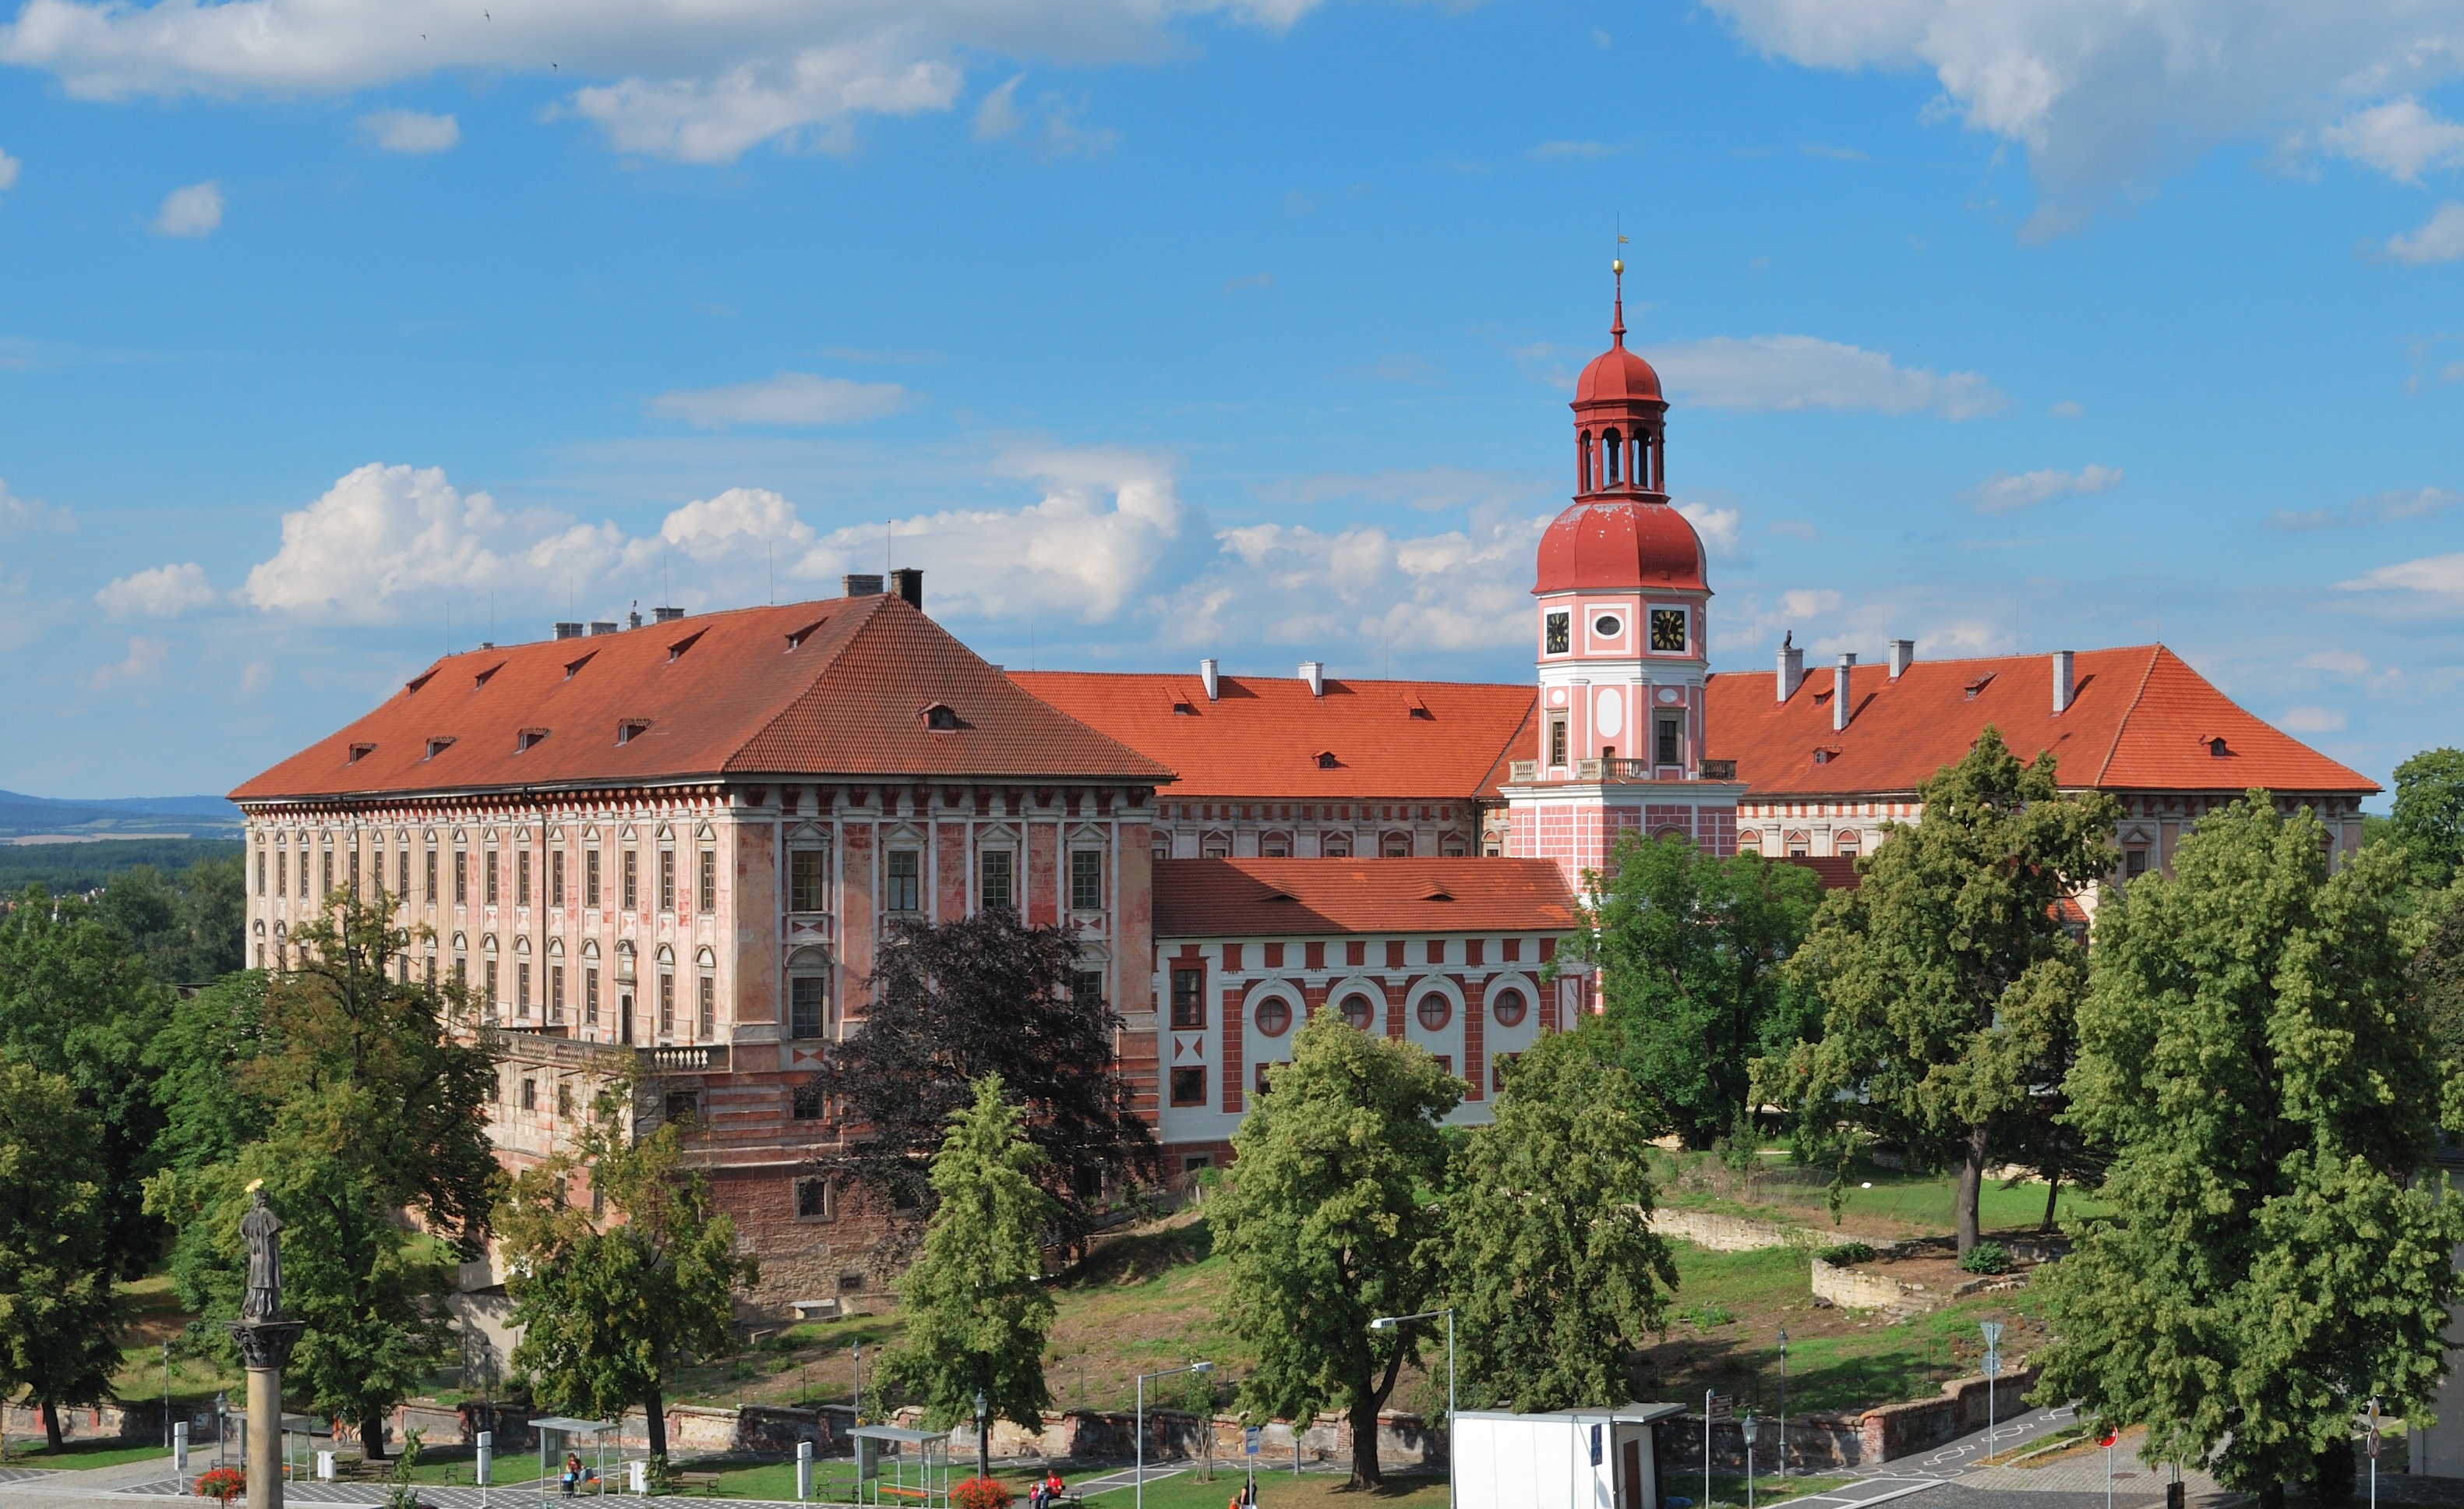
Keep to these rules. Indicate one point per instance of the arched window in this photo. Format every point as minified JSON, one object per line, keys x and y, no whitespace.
{"x":1358,"y":1012}
{"x":1849,"y":844}
{"x":1508,"y":1010}
{"x":1336,"y":846}
{"x":1436,"y":1011}
{"x":1584,"y":449}
{"x":1396,"y":846}
{"x":1616,"y":448}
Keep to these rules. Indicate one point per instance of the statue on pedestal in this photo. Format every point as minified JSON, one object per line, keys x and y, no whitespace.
{"x":261,"y":1228}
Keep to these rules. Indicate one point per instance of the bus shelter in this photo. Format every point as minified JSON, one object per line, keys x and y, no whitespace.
{"x":877,"y":1445}
{"x":568,"y":1432}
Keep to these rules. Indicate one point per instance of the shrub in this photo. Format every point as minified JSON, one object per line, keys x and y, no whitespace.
{"x":979,"y":1493}
{"x":1847,"y":1252}
{"x":1986,"y":1257}
{"x":224,"y":1483}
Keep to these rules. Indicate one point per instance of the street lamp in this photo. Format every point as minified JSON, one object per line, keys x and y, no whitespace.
{"x":167,"y":1396}
{"x":1138,"y":1493}
{"x":983,"y":1466}
{"x":1782,"y":1402}
{"x":1747,"y":1424}
{"x":1388,"y":1322}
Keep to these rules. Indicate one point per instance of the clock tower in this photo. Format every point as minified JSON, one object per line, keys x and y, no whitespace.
{"x":1619,"y":614}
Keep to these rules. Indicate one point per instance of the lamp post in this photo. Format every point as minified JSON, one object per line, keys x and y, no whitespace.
{"x":1388,"y":1322}
{"x":1782,"y":1402}
{"x":855,"y":1360}
{"x":167,"y":1396}
{"x":1138,"y":1491}
{"x":1747,"y":1426}
{"x":983,"y":1464}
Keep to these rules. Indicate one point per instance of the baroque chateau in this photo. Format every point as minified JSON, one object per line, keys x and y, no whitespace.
{"x":670,"y":849}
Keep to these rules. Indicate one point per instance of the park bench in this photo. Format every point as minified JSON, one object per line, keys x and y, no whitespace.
{"x":705,"y":1483}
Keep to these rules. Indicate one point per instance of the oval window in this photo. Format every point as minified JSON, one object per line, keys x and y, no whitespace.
{"x":1608,"y":625}
{"x":1356,"y":1013}
{"x":1274,"y":1016}
{"x":1436,"y":1011}
{"x":1508,"y":1007}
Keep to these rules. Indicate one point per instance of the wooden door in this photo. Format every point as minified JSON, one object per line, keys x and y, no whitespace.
{"x":1630,"y":1484}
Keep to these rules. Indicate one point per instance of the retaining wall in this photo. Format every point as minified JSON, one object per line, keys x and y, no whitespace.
{"x":1729,"y":1233}
{"x":1821,"y":1442}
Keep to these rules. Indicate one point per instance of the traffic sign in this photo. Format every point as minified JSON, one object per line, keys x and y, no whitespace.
{"x":1724,"y":1407}
{"x":1249,"y":1442}
{"x":2108,"y":1438}
{"x":1993,"y":1330}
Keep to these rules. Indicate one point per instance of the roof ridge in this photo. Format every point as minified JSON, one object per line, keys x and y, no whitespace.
{"x":2122,"y":724}
{"x":831,"y":658}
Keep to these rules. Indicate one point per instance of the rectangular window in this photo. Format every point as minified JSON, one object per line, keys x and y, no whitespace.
{"x":666,"y":880}
{"x":1557,"y":739}
{"x":995,"y":891}
{"x":402,"y":874}
{"x":806,"y":877}
{"x":709,"y":1017}
{"x":324,"y":871}
{"x":590,"y":995}
{"x":2134,"y":863}
{"x":432,"y":878}
{"x":813,"y":1202}
{"x":902,"y":893}
{"x":563,"y":1097}
{"x":1087,"y":989}
{"x":522,"y":988}
{"x":805,"y":1102}
{"x":590,"y":878}
{"x":522,"y":879}
{"x":461,"y":878}
{"x":632,"y":899}
{"x":530,"y":1095}
{"x":808,"y":1000}
{"x":1665,"y":752}
{"x":354,"y":871}
{"x":556,"y":879}
{"x":1189,"y":999}
{"x":487,"y":886}
{"x":282,"y":872}
{"x":666,"y":1005}
{"x":1085,"y":880}
{"x":706,"y":887}
{"x":260,"y":872}
{"x":488,"y":981}
{"x":556,"y":993}
{"x":1261,"y":1077}
{"x":1189,"y":1087}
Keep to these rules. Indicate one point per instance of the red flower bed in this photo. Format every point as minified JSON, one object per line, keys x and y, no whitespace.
{"x":979,"y":1493}
{"x":224,"y":1483}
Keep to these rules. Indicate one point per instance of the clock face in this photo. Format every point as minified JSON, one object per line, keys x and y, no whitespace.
{"x":1561,"y":632}
{"x":1669,"y":631}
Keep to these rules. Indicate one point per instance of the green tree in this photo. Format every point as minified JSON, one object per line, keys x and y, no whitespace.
{"x":619,"y":1266}
{"x":2427,"y":820}
{"x":186,"y":925}
{"x":1691,"y":948}
{"x":1326,"y":1224}
{"x":59,"y":1320}
{"x":976,"y":1307}
{"x":1556,"y":1275}
{"x":370,"y":1096}
{"x":1949,"y":980}
{"x":76,"y":999}
{"x":2272,"y":1257}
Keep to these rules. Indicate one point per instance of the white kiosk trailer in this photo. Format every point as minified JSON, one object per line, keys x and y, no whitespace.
{"x":1571,"y":1459}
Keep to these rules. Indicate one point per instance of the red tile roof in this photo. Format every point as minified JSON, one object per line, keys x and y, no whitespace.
{"x":2139,"y":719}
{"x":840,"y":687}
{"x":1417,"y":741}
{"x":1303,"y":898}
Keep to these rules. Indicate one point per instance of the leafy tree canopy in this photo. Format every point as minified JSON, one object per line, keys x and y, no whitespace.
{"x":986,"y":995}
{"x":618,"y":1265}
{"x":1691,"y":948}
{"x":2427,"y":820}
{"x":1556,"y":1275}
{"x":977,"y":1311}
{"x":1326,"y":1228}
{"x":187,"y":924}
{"x":1948,"y":979}
{"x":59,"y":1320}
{"x":2271,"y":1260}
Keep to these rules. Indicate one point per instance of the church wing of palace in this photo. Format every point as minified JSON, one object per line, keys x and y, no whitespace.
{"x":668,"y":850}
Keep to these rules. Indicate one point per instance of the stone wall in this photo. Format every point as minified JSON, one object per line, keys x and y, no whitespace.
{"x":1854,"y":1289}
{"x":1824,"y":1442}
{"x":137,"y":1420}
{"x":1176,"y":1435}
{"x":1729,"y":1233}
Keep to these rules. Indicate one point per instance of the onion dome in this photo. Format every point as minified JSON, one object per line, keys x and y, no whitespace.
{"x":1597,"y":545}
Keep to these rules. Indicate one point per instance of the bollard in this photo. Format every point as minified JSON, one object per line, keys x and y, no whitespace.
{"x":803,"y":1472}
{"x":487,"y":1462}
{"x":637,"y":1476}
{"x":324,"y":1467}
{"x":180,"y":1448}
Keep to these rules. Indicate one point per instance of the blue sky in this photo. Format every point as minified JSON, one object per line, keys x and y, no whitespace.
{"x":1157,"y":330}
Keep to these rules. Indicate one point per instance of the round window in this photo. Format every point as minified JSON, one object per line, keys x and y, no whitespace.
{"x":1436,"y":1011}
{"x":1356,"y":1013}
{"x":1506,"y":1010}
{"x":1608,"y":625}
{"x":1274,"y":1016}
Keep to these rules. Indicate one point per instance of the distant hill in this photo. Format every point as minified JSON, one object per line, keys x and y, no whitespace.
{"x":116,"y":817}
{"x":59,"y":868}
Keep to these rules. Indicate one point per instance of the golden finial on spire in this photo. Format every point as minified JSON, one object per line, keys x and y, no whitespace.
{"x":1618,"y":266}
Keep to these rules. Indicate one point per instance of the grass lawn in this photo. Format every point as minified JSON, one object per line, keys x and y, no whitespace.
{"x":1881,"y":1204}
{"x":1312,"y":1491}
{"x":155,"y":1316}
{"x":82,"y":1454}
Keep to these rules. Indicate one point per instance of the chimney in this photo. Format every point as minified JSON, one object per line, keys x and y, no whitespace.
{"x":1840,"y":693}
{"x":633,"y":619}
{"x":1313,"y":672}
{"x":602,"y":627}
{"x":857,"y":583}
{"x":1904,"y":654}
{"x":665,"y":616}
{"x":1792,"y":670}
{"x":909,"y":583}
{"x":1206,"y":674}
{"x":568,"y":630}
{"x":2062,"y":680}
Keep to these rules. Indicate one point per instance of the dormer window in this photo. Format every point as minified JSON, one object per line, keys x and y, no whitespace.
{"x":572,"y":667}
{"x":416,"y":682}
{"x":796,"y":640}
{"x":2216,"y":748}
{"x":629,"y":729}
{"x":1979,"y":685}
{"x":1184,"y":709}
{"x":1824,"y":756}
{"x":437,"y":746}
{"x":1326,"y":760}
{"x":481,"y":680}
{"x":675,"y":652}
{"x":527,"y":738}
{"x":941,"y":718}
{"x":360,"y":752}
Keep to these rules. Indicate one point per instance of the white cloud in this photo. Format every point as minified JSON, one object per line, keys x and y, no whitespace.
{"x":8,"y":167}
{"x":30,"y":514}
{"x":997,"y":116}
{"x":410,"y":131}
{"x":192,"y":212}
{"x":2420,"y":503}
{"x":2399,"y":138}
{"x":2003,"y":493}
{"x":2343,"y":662}
{"x":2111,"y":96}
{"x":1783,"y":372}
{"x":1809,"y":602}
{"x":789,"y":398}
{"x":145,"y":663}
{"x":1717,"y":527}
{"x":2438,"y":578}
{"x":694,"y":81}
{"x":2311,"y":721}
{"x":2440,"y":240}
{"x":163,"y":592}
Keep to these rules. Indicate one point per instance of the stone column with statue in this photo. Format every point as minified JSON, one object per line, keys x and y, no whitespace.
{"x":265,"y":1340}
